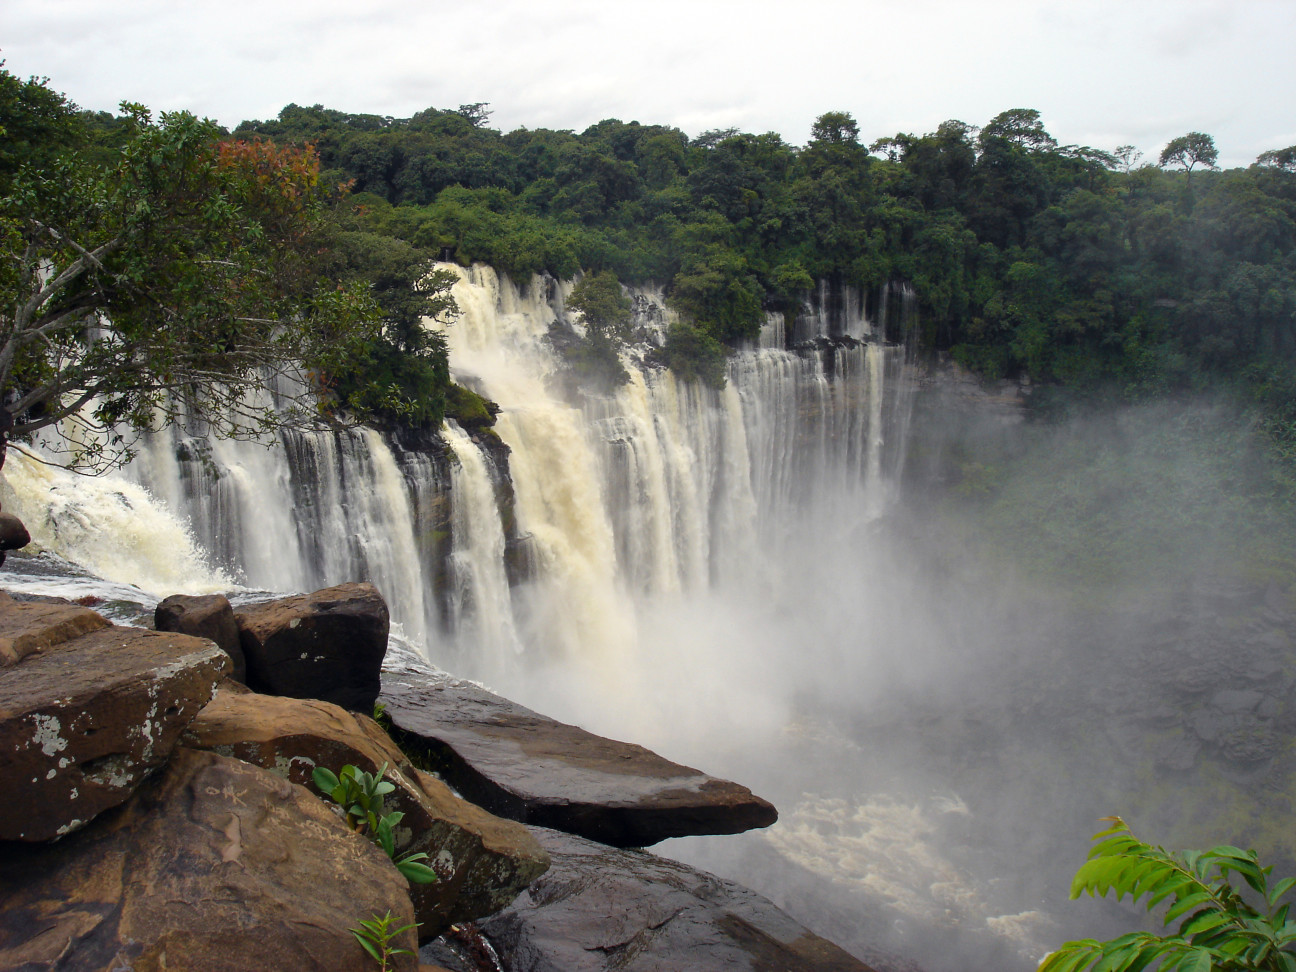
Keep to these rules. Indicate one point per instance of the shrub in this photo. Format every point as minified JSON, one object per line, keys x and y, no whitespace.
{"x":1218,"y":929}
{"x":361,"y":795}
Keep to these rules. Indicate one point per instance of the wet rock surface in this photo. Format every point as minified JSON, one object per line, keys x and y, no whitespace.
{"x":528,"y":767}
{"x":327,"y":645}
{"x":213,"y":865}
{"x":600,"y":908}
{"x":87,"y":714}
{"x":481,"y":860}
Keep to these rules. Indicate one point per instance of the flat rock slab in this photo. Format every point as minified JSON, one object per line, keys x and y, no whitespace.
{"x":482,"y":861}
{"x":84,"y":721}
{"x":212,"y":865}
{"x":30,"y":627}
{"x":528,"y":767}
{"x":599,"y":908}
{"x":327,"y":645}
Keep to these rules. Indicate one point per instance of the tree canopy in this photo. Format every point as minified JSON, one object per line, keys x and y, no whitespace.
{"x":1091,"y":273}
{"x":1078,"y":266}
{"x":160,"y":286}
{"x":1186,"y":151}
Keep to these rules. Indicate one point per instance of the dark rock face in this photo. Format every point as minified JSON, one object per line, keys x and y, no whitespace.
{"x":214,"y":865}
{"x":525,"y":766}
{"x":327,"y":645}
{"x":209,"y":616}
{"x":84,"y":719}
{"x":13,"y":534}
{"x":482,"y":861}
{"x":599,"y":909}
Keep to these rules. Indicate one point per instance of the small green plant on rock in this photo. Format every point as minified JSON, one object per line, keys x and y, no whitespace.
{"x":1218,"y":930}
{"x":361,"y":795}
{"x":375,"y":936}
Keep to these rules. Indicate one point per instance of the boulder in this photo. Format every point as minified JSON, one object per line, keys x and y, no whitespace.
{"x":212,"y":865}
{"x":207,"y":616}
{"x":599,"y":908}
{"x":528,"y":767}
{"x":84,"y":719}
{"x":482,"y":861}
{"x":13,"y":534}
{"x":328,"y":645}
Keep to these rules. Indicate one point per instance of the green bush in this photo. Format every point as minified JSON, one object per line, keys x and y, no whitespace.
{"x":1218,"y":929}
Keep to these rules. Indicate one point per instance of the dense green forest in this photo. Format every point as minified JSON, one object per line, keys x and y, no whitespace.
{"x":1082,"y":269}
{"x":1092,"y":273}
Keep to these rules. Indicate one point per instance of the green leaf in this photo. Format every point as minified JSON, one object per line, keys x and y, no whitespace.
{"x":324,"y":779}
{"x":1204,"y":922}
{"x":1187,"y":904}
{"x":1071,"y":956}
{"x":1172,"y":886}
{"x":1281,"y":888}
{"x":366,"y":944}
{"x":1197,"y":960}
{"x":416,"y":872}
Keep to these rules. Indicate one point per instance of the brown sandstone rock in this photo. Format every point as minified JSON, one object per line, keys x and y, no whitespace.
{"x":327,"y":645}
{"x":83,"y":721}
{"x":214,"y":865}
{"x":483,"y":862}
{"x":28,"y":627}
{"x":528,"y":767}
{"x":207,"y":616}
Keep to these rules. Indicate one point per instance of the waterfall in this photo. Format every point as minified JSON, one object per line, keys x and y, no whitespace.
{"x":114,"y":527}
{"x":660,"y":489}
{"x":479,"y":602}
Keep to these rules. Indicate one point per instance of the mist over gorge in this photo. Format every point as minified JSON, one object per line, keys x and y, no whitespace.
{"x":938,"y":490}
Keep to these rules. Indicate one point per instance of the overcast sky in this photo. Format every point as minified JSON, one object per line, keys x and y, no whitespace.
{"x":1101,"y":72}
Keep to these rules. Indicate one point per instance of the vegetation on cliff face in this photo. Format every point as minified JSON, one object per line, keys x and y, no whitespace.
{"x":153,"y":269}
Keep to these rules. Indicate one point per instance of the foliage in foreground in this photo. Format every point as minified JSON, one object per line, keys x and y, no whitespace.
{"x":361,"y":795}
{"x":1218,"y":928}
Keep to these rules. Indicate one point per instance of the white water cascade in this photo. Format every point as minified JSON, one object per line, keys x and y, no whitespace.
{"x":664,"y":489}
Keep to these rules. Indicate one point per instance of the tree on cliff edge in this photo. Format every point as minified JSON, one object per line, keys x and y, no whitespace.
{"x":161,"y":287}
{"x":1187,"y":151}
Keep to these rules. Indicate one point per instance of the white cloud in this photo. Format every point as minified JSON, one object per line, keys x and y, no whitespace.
{"x":1101,"y":72}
